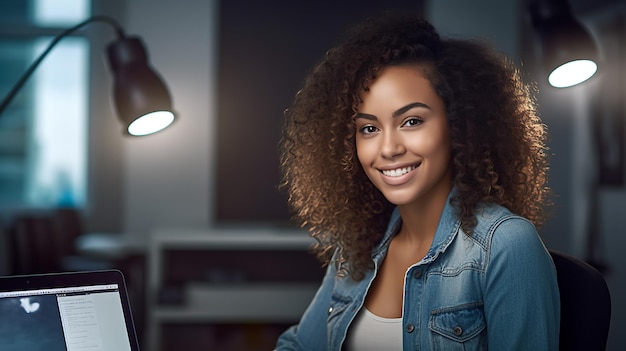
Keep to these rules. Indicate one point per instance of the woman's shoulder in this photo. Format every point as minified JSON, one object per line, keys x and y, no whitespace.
{"x":508,"y":237}
{"x":496,"y":221}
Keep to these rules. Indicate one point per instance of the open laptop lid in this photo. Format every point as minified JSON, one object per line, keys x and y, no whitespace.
{"x":66,"y":311}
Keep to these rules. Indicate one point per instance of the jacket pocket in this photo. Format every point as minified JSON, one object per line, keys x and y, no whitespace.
{"x":338,"y":303}
{"x":460,"y":327}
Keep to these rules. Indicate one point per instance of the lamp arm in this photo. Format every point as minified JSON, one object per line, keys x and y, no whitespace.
{"x":9,"y":97}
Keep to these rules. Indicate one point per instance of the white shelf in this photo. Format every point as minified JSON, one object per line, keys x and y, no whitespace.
{"x":234,"y":238}
{"x":239,"y":302}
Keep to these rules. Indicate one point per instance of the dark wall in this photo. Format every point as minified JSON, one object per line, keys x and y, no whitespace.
{"x":266,"y":48}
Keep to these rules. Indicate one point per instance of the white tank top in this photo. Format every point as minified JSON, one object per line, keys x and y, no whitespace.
{"x":370,"y":332}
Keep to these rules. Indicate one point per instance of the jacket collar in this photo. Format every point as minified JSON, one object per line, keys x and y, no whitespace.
{"x":447,"y":229}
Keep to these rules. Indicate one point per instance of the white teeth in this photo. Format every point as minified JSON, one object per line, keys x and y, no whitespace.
{"x":398,"y":172}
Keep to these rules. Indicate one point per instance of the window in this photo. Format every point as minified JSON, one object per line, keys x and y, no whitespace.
{"x":43,"y":132}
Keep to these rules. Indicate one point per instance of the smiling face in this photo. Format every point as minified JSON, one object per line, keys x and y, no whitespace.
{"x":402,"y":137}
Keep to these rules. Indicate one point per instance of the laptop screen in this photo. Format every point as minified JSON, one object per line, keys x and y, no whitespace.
{"x":77,"y":317}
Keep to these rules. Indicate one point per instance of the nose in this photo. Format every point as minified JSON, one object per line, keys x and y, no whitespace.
{"x":392,"y":146}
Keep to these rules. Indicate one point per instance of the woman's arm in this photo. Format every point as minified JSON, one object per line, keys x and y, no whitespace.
{"x":311,"y":332}
{"x":522,"y":304}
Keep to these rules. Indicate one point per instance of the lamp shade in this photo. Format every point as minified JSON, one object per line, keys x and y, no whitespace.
{"x":141,"y":99}
{"x":570,"y":55}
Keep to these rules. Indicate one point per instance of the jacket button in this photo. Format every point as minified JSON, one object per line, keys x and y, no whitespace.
{"x":457,"y":331}
{"x":410,"y":328}
{"x":330,"y":310}
{"x":417,"y":274}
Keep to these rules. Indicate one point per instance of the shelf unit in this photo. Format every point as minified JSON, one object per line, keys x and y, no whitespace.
{"x":228,"y":277}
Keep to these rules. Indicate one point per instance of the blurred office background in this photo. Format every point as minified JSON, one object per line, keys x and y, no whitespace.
{"x":197,"y":203}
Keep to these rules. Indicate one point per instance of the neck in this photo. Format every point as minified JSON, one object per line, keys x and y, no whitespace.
{"x":420,"y":219}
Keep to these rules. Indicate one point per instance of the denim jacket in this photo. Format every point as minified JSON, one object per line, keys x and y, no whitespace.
{"x":496,"y":290}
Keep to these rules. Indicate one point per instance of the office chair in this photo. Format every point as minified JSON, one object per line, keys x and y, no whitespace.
{"x":585,"y":304}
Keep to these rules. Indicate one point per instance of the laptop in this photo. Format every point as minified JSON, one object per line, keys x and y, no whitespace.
{"x":77,"y":311}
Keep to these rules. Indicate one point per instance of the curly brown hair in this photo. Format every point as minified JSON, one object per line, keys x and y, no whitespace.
{"x":498,"y":140}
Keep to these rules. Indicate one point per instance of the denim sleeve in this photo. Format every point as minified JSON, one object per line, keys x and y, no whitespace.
{"x":311,"y":332}
{"x":522,"y":304}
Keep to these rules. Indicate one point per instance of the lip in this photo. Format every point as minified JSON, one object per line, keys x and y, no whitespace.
{"x":399,"y":180}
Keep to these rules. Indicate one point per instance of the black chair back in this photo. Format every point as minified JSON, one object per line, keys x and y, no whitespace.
{"x":585,"y":304}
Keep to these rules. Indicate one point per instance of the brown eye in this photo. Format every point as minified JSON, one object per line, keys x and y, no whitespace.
{"x":369,"y":129}
{"x":413,"y":121}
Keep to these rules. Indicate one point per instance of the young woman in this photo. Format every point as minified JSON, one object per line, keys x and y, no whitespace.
{"x":418,"y":163}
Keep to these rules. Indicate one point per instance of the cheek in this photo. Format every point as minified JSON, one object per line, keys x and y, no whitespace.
{"x":442,"y":151}
{"x":363,"y":152}
{"x":437,"y":144}
{"x":425,"y":147}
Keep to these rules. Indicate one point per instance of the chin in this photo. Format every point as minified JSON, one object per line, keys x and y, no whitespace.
{"x":399,"y":199}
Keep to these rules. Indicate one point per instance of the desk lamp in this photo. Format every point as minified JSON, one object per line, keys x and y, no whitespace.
{"x":569,"y":52}
{"x":142,"y":100}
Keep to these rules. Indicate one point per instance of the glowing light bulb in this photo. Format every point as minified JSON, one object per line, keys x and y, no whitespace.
{"x":151,"y":123}
{"x":572,"y":73}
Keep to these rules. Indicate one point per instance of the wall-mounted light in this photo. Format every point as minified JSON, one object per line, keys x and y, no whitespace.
{"x":142,"y":100}
{"x":570,"y":55}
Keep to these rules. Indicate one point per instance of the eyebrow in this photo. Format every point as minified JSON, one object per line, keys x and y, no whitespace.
{"x":397,"y":112}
